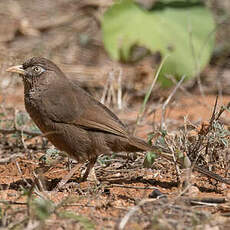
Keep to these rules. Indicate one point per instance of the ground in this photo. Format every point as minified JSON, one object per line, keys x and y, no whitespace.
{"x":129,"y":196}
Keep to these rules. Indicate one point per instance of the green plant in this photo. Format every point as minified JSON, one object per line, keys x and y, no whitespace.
{"x":183,"y":30}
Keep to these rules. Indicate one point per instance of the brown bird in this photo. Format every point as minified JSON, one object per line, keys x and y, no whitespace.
{"x":73,"y":120}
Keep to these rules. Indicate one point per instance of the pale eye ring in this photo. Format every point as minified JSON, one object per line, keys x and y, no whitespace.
{"x":36,"y":69}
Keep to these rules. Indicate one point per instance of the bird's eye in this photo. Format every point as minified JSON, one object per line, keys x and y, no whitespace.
{"x":37,"y":69}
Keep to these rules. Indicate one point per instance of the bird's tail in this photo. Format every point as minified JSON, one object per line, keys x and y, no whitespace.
{"x":140,"y":144}
{"x":144,"y":146}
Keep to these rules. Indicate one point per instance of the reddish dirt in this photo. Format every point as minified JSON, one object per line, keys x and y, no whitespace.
{"x":107,"y":204}
{"x":124,"y":199}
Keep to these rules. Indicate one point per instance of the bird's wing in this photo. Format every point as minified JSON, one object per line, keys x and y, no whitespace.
{"x":73,"y":105}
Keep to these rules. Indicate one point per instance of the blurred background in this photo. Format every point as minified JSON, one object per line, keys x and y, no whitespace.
{"x":82,"y":37}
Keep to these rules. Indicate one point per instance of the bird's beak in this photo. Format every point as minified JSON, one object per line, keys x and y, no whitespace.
{"x":17,"y":69}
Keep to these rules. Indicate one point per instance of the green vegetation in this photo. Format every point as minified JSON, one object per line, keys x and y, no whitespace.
{"x":184,"y":30}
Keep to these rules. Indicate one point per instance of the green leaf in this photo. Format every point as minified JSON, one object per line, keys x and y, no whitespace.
{"x":85,"y":222}
{"x":184,"y":30}
{"x":149,"y":159}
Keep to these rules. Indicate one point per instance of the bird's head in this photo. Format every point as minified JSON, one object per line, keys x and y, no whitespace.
{"x":37,"y":70}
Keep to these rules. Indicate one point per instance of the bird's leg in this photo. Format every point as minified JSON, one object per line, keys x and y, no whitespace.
{"x":90,"y":172}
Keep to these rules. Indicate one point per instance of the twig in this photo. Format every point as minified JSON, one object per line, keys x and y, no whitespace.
{"x":20,"y":131}
{"x":131,"y":212}
{"x":148,"y":93}
{"x":168,"y":100}
{"x":132,"y":187}
{"x":119,"y":90}
{"x":223,"y":108}
{"x":8,"y":159}
{"x":66,"y":178}
{"x":213,"y":117}
{"x":164,"y":153}
{"x":175,"y":162}
{"x":106,"y":88}
{"x":89,"y":206}
{"x":16,"y":127}
{"x":21,"y":174}
{"x":39,"y":180}
{"x":10,"y":202}
{"x":206,"y":200}
{"x":113,"y":96}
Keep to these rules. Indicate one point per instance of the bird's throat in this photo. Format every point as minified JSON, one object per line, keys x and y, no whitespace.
{"x":30,"y":83}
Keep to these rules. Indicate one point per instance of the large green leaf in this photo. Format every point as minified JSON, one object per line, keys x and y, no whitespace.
{"x":184,"y":30}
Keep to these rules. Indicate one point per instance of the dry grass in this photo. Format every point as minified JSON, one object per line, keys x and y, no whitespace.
{"x":164,"y":196}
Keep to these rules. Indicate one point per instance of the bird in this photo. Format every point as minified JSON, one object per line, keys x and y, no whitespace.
{"x":74,"y":121}
{"x":71,"y":119}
